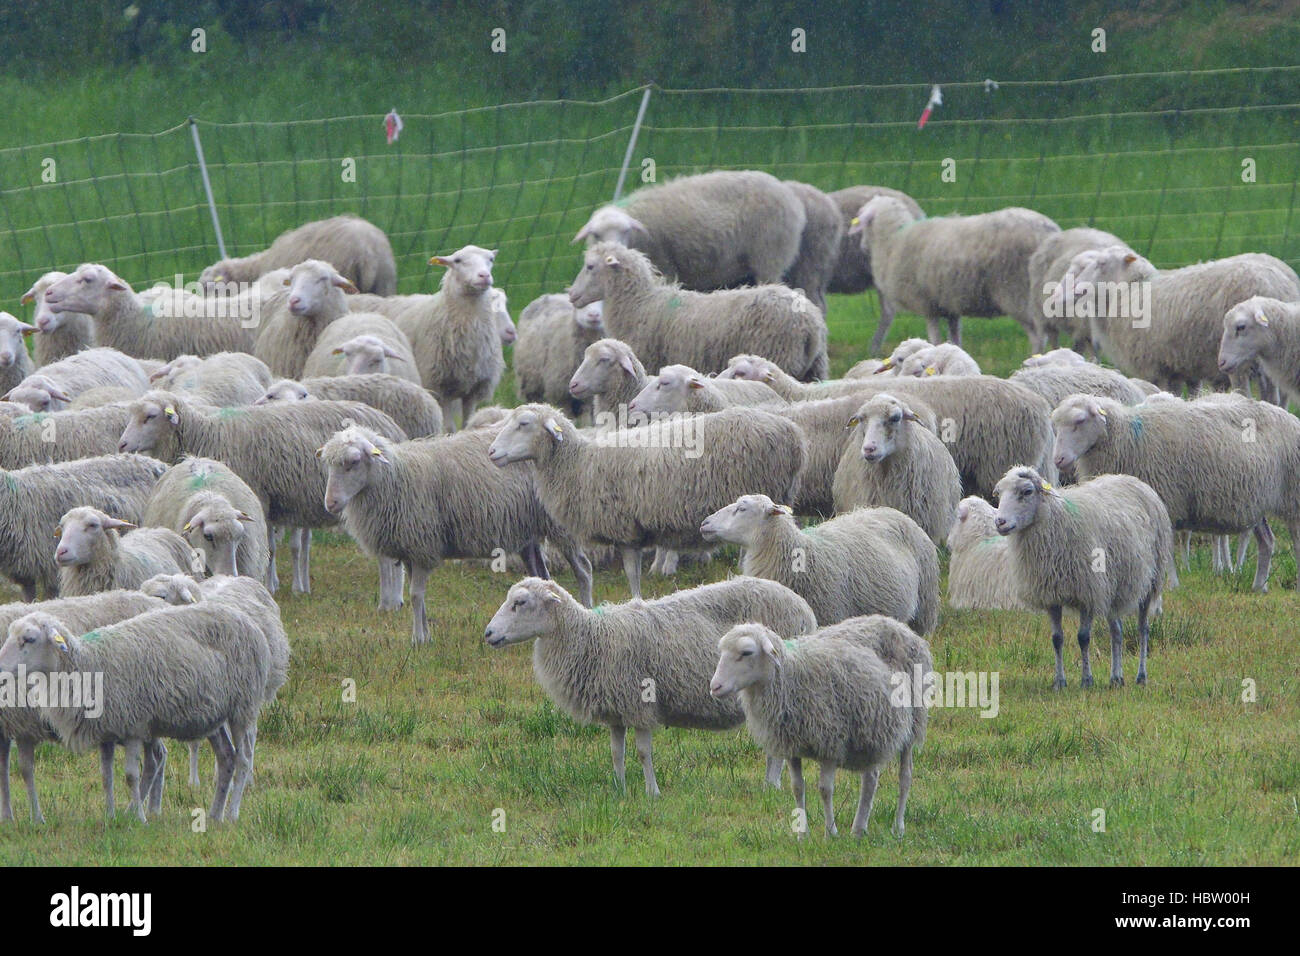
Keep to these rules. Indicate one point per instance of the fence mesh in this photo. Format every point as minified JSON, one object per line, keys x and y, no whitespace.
{"x":1185,"y":166}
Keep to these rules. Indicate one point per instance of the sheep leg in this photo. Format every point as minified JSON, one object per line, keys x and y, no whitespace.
{"x":1264,"y":563}
{"x":618,"y":750}
{"x":1144,"y":636}
{"x":882,"y":328}
{"x":1243,"y":546}
{"x":581,"y":566}
{"x":632,"y":568}
{"x":6,"y":809}
{"x":1187,"y":550}
{"x":302,"y":561}
{"x":419,"y":619}
{"x":1085,"y":640}
{"x":448,"y":406}
{"x":194,"y":764}
{"x":665,"y":562}
{"x":1116,"y":652}
{"x":796,"y":784}
{"x":773,"y":776}
{"x":826,"y":787}
{"x":155,"y":761}
{"x":225,"y":754}
{"x":932,"y":331}
{"x":106,"y":774}
{"x":870,"y":779}
{"x":390,"y":585}
{"x":643,"y":737}
{"x":1293,"y":528}
{"x":1058,"y":644}
{"x":240,"y":735}
{"x":954,"y":329}
{"x":27,"y":767}
{"x":904,"y":787}
{"x":272,"y":540}
{"x":132,"y":761}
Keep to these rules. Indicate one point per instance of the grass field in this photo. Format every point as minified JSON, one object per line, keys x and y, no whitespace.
{"x":441,"y":738}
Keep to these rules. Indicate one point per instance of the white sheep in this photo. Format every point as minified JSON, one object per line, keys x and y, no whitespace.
{"x":819,"y":243}
{"x":943,"y":359}
{"x":317,"y":296}
{"x":56,"y":385}
{"x":223,"y":379}
{"x":553,"y":337}
{"x":500,"y":303}
{"x":61,"y":333}
{"x":610,"y":376}
{"x":979,"y":571}
{"x":1266,"y":330}
{"x":406,"y":403}
{"x":853,"y":266}
{"x":1047,"y":267}
{"x":1061,"y":356}
{"x":15,"y":363}
{"x":682,"y":390}
{"x":361,"y":344}
{"x":94,"y":553}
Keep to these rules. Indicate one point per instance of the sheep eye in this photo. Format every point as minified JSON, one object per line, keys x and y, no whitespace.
{"x":207,"y":536}
{"x":517,"y":605}
{"x":749,"y":653}
{"x":590,"y":267}
{"x":895,"y":418}
{"x":151,"y":416}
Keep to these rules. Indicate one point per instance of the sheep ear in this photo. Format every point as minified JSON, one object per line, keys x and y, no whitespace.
{"x":1130,"y":257}
{"x":161,"y":373}
{"x":769,"y":376}
{"x":117,"y":524}
{"x":625,"y":361}
{"x":583,"y":233}
{"x":1261,"y":318}
{"x":910,"y":416}
{"x":27,"y":330}
{"x":344,"y":283}
{"x":440,"y":261}
{"x":697,"y":383}
{"x":58,"y":531}
{"x":29,"y":296}
{"x":554,"y":429}
{"x":638,"y":224}
{"x":337,"y":351}
{"x":242,"y":516}
{"x":552,"y":595}
{"x":60,"y":641}
{"x":378,"y":455}
{"x":885,"y":366}
{"x":963,"y":510}
{"x":853,"y":422}
{"x":391,"y":353}
{"x":611,"y":260}
{"x":59,"y":395}
{"x":187,"y":528}
{"x":320,"y":452}
{"x":117,"y":285}
{"x":172,"y":417}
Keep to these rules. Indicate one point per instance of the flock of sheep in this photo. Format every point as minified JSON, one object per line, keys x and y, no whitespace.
{"x":156,"y":446}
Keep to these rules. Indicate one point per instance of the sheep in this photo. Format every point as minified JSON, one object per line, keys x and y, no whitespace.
{"x":869,"y":561}
{"x":1266,"y":330}
{"x":420,"y":502}
{"x":1047,"y":267}
{"x":410,"y":406}
{"x":270,"y":447}
{"x":1060,"y":356}
{"x":945,"y":359}
{"x":635,"y":487}
{"x":153,"y":328}
{"x":361,"y":344}
{"x":23,"y":724}
{"x":317,"y":297}
{"x":681,"y":389}
{"x":845,"y":695}
{"x":819,"y":243}
{"x":1220,"y":465}
{"x":33,"y":437}
{"x":223,"y":379}
{"x":60,"y":333}
{"x":359,"y":250}
{"x":212,"y":507}
{"x":92,"y":557}
{"x":99,"y":397}
{"x":252,"y":304}
{"x":866,"y":368}
{"x":553,"y":338}
{"x":1164,"y":325}
{"x":952,"y":266}
{"x":666,"y":323}
{"x":32,"y":499}
{"x":501,"y":310}
{"x":610,"y":376}
{"x":979,"y":571}
{"x":57,"y":384}
{"x":853,"y":267}
{"x":891,"y":363}
{"x":596,"y":665}
{"x":15,"y":363}
{"x":1056,"y":381}
{"x":898,"y":463}
{"x":756,"y":368}
{"x":487,"y":416}
{"x":715,"y":230}
{"x":178,"y":672}
{"x":1102,"y":547}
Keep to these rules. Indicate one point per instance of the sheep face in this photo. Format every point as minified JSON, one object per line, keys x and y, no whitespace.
{"x":348,"y":456}
{"x":667,"y":392}
{"x":83,"y":531}
{"x":527,"y":613}
{"x":366,"y":354}
{"x":902,"y":352}
{"x":312,"y":284}
{"x":40,"y":394}
{"x":1114,"y":264}
{"x":152,"y":418}
{"x":470,"y":267}
{"x":748,"y":654}
{"x":600,"y":363}
{"x":87,"y":290}
{"x":749,"y":368}
{"x":217,"y":531}
{"x":884,"y":420}
{"x":591,"y":317}
{"x":1080,"y":422}
{"x":610,"y":224}
{"x":1246,"y":333}
{"x":741,"y":521}
{"x":38,"y":643}
{"x":598,"y":264}
{"x":527,"y":433}
{"x":43,"y":318}
{"x":173,"y":588}
{"x":285,"y":390}
{"x":1019,"y":494}
{"x":11,"y":338}
{"x":919,"y":364}
{"x":505,"y":327}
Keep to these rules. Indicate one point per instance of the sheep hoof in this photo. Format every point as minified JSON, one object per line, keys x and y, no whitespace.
{"x":1142,"y":679}
{"x":898,"y":830}
{"x":1086,"y":682}
{"x":1059,"y":684}
{"x":1117,"y":682}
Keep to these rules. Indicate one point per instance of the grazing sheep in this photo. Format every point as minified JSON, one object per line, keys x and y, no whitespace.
{"x":317,"y":297}
{"x":34,"y":437}
{"x":633,"y":488}
{"x":33,"y":499}
{"x":180,"y":672}
{"x":819,"y":243}
{"x":224,"y":379}
{"x":712,"y":231}
{"x":596,"y":665}
{"x":979,"y":571}
{"x":419,"y":502}
{"x":853,"y":267}
{"x":1047,"y":267}
{"x":553,"y":338}
{"x":951,"y":266}
{"x":406,"y":403}
{"x":61,"y":333}
{"x":152,"y":328}
{"x":611,"y":376}
{"x":57,"y":384}
{"x":1268,"y":331}
{"x":92,"y":557}
{"x":359,"y":250}
{"x":1164,"y":325}
{"x":15,"y":363}
{"x":892,"y":362}
{"x":1055,"y":381}
{"x":681,"y":389}
{"x":896,"y":461}
{"x":666,"y":323}
{"x":831,"y":697}
{"x":361,"y":343}
{"x":869,"y":561}
{"x":1221,"y":465}
{"x":945,"y":359}
{"x":1103,"y":547}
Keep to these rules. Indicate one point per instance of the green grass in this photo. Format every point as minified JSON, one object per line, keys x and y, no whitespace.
{"x":443,"y":737}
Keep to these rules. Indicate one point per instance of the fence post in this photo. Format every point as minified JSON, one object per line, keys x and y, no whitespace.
{"x":207,"y":187}
{"x":631,"y":144}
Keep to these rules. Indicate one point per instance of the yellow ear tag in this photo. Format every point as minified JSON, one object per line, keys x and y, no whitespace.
{"x":931,"y":370}
{"x":1262,"y":319}
{"x":886,"y":364}
{"x":1046,"y":486}
{"x":59,"y":640}
{"x":376,"y":452}
{"x":854,"y":221}
{"x":188,"y":527}
{"x":1101,"y":411}
{"x":169,"y":410}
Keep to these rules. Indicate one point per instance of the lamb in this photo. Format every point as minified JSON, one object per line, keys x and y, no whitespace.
{"x":952,"y":266}
{"x":1056,"y":381}
{"x":834,"y":697}
{"x":596,"y":665}
{"x":224,"y":379}
{"x":15,"y":363}
{"x":666,"y":324}
{"x":1266,"y":330}
{"x":217,"y":513}
{"x":1047,"y":267}
{"x":611,"y":376}
{"x":92,"y":557}
{"x":633,"y":488}
{"x":979,"y":571}
{"x":24,"y":724}
{"x":1170,"y":330}
{"x":712,"y":231}
{"x":899,"y":463}
{"x":406,"y":403}
{"x":1103,"y":547}
{"x":361,"y":344}
{"x":869,"y":561}
{"x":890,"y":366}
{"x":153,"y":328}
{"x":853,"y":267}
{"x":359,"y":250}
{"x":32,"y":500}
{"x":316,"y":298}
{"x":1221,"y":465}
{"x":57,"y":384}
{"x":30,"y":438}
{"x":61,"y":333}
{"x":682,"y":390}
{"x":420,"y":502}
{"x":212,"y":660}
{"x":553,"y":339}
{"x":819,"y":244}
{"x":945,"y":359}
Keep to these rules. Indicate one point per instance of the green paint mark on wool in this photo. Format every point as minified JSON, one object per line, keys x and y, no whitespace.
{"x":599,"y":609}
{"x":231,"y":412}
{"x":91,"y":637}
{"x":674,"y":303}
{"x":789,"y":644}
{"x":11,"y":483}
{"x":200,"y":480}
{"x":988,"y":542}
{"x":1070,"y":507}
{"x":35,"y":418}
{"x":622,"y":201}
{"x":1135,"y":426}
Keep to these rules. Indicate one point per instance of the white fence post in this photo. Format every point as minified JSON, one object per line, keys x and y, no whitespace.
{"x":631,"y":144}
{"x":207,"y":186}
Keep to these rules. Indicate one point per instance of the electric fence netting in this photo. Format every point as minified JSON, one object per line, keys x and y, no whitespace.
{"x":1185,"y":166}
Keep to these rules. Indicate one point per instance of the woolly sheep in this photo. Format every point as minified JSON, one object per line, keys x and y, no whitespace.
{"x":1266,"y":330}
{"x":595,"y":664}
{"x":890,"y":365}
{"x":869,"y":561}
{"x":898,"y":463}
{"x":224,"y":379}
{"x":945,"y":359}
{"x":666,"y":324}
{"x":501,"y":310}
{"x":680,"y":389}
{"x":94,"y":555}
{"x":361,"y":344}
{"x":1047,"y":267}
{"x":711,"y":231}
{"x":833,"y":697}
{"x":33,"y":437}
{"x":1060,"y":356}
{"x":422,"y":501}
{"x":756,"y":368}
{"x":1102,"y":547}
{"x":651,"y":486}
{"x":359,"y":250}
{"x":865,"y":368}
{"x":610,"y":376}
{"x":553,"y":338}
{"x":212,"y":661}
{"x":33,"y":499}
{"x":853,"y":267}
{"x":406,"y":403}
{"x":979,"y":570}
{"x":57,"y":384}
{"x":60,"y":333}
{"x":15,"y":363}
{"x":952,"y":266}
{"x":1220,"y":465}
{"x":145,"y":328}
{"x":1056,"y":381}
{"x":99,"y":397}
{"x":317,"y":297}
{"x":819,"y":243}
